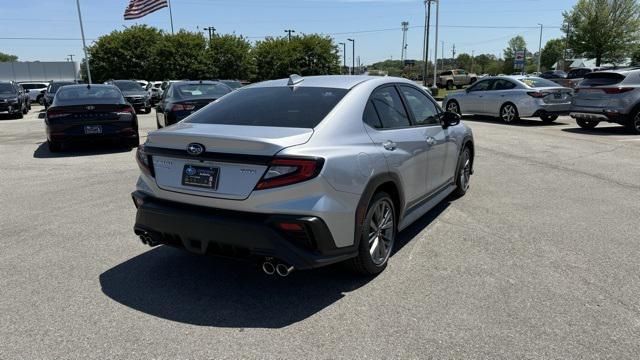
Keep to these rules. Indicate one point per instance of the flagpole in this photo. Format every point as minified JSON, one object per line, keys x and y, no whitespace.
{"x":84,"y":44}
{"x":170,"y":15}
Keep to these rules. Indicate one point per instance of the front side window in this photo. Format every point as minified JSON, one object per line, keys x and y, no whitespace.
{"x":390,"y":108}
{"x":483,"y":85}
{"x":296,"y":107}
{"x":424,"y":110}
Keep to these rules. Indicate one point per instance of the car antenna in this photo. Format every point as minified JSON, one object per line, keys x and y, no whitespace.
{"x":294,"y":79}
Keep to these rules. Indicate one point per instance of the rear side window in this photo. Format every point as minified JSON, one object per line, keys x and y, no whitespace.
{"x":602,"y":79}
{"x":389,"y":107}
{"x":536,"y":82}
{"x":502,"y":84}
{"x":370,"y":116}
{"x":424,"y":110}
{"x":298,"y":107}
{"x":445,"y":73}
{"x":481,"y":86}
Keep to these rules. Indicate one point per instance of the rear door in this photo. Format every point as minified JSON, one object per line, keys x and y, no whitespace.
{"x":502,"y":90}
{"x":404,"y":146}
{"x":473,"y":101}
{"x":442,"y":150}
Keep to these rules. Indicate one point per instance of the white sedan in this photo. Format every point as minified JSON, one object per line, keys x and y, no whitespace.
{"x":512,"y":97}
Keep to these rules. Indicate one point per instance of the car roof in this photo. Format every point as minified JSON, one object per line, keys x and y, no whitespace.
{"x":197,"y":82}
{"x":327,"y":81}
{"x":75,"y":86}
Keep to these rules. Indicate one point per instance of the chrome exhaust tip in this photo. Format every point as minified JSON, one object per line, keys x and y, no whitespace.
{"x":283,"y":269}
{"x":268,"y":268}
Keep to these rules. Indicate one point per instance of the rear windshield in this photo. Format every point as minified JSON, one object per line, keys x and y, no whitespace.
{"x":301,"y":107}
{"x":535,"y":82}
{"x":34,"y":86}
{"x":232,"y":84}
{"x":55,"y":86}
{"x":80,"y":95}
{"x":201,"y":91}
{"x":128,"y":85}
{"x":602,"y":79}
{"x":7,"y":89}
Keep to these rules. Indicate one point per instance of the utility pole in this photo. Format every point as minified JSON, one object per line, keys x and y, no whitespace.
{"x":84,"y":44}
{"x":344,"y":55}
{"x":453,"y":52}
{"x":71,"y":57}
{"x":425,"y":55}
{"x":540,"y":48}
{"x":405,"y":27}
{"x":442,"y":61}
{"x":289,"y":31}
{"x":473,"y":59}
{"x":353,"y":56}
{"x":211,"y":30}
{"x":435,"y":47}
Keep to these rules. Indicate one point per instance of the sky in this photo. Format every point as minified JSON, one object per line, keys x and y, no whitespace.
{"x":52,"y":31}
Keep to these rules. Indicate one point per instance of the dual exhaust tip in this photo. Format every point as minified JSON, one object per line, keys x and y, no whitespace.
{"x":147,"y":239}
{"x":281,"y":269}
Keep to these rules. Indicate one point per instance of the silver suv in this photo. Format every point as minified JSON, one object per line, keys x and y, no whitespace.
{"x":302,"y":172}
{"x":612,"y":96}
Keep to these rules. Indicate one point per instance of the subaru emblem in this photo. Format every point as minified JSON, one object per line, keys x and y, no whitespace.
{"x":90,"y":107}
{"x":195,"y":149}
{"x":190,"y":171}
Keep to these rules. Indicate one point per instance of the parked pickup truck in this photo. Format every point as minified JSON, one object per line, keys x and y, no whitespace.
{"x":574,"y":77}
{"x":458,"y":78}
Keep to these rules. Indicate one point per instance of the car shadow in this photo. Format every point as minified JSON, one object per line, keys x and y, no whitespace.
{"x":75,"y":150}
{"x":605,"y":130}
{"x":522,"y":122}
{"x":175,"y":285}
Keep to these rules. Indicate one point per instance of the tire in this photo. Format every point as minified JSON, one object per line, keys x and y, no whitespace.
{"x":133,"y":143}
{"x":39,"y":100}
{"x":548,"y":119}
{"x":381,"y":238}
{"x":463,"y":173}
{"x":454,"y":107}
{"x":147,"y":110}
{"x":19,"y":114}
{"x":25,"y":109}
{"x":158,"y":123}
{"x":449,"y":85}
{"x":587,"y":124}
{"x":54,"y":146}
{"x":634,"y":123}
{"x":509,"y":113}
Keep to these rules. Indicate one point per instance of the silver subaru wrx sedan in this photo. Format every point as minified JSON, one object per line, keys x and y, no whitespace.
{"x":302,"y":172}
{"x":512,"y":97}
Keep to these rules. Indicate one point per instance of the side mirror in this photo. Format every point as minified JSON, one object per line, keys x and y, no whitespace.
{"x":467,"y":90}
{"x":450,"y":119}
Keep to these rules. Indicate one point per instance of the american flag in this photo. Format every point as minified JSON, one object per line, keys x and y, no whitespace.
{"x":140,"y":8}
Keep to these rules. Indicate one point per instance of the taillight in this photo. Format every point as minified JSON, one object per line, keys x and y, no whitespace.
{"x":127,"y":109}
{"x":55,"y":113}
{"x":144,"y":161}
{"x":282,"y":172}
{"x":537,"y":94}
{"x":617,"y":90}
{"x":181,"y":107}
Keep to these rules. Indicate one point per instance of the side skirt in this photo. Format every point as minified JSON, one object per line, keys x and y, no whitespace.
{"x":417,"y":212}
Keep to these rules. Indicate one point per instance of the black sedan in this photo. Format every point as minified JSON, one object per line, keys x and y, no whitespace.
{"x":134,"y":94}
{"x":182,"y":98}
{"x":54,"y":86}
{"x":13,"y":100}
{"x":86,"y":113}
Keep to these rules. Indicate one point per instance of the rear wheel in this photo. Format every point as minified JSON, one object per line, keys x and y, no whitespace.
{"x":546,"y":118}
{"x":509,"y":113}
{"x":634,"y":123}
{"x":587,"y":124}
{"x":378,"y":236}
{"x":25,"y":109}
{"x":449,"y":85}
{"x":54,"y":146}
{"x":454,"y":107}
{"x":133,"y":143}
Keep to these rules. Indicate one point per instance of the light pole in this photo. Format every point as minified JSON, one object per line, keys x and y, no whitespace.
{"x":84,"y":44}
{"x":289,"y":31}
{"x":425,"y":56}
{"x":353,"y":56}
{"x":540,"y":48}
{"x":435,"y":46}
{"x":344,"y":55}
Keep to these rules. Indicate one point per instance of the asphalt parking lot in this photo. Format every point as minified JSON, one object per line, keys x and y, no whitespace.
{"x":539,"y":260}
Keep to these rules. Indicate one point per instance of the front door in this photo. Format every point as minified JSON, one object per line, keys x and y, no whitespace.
{"x":473,"y":101}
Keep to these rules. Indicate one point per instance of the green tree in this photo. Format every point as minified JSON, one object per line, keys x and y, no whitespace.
{"x":7,"y":57}
{"x":273,"y":58}
{"x":483,"y":61}
{"x":603,"y":29}
{"x":182,"y":56}
{"x":464,"y":61}
{"x":515,"y":44}
{"x":231,"y":57}
{"x":552,"y":52}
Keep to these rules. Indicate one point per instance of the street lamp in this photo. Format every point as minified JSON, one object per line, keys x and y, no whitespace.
{"x":353,"y":56}
{"x":344,"y":55}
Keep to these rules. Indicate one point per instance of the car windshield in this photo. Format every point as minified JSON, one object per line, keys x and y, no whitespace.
{"x":80,"y":95}
{"x":7,"y":89}
{"x":209,"y":91}
{"x":535,"y":82}
{"x":298,"y":107}
{"x":55,"y":86}
{"x":34,"y":86}
{"x":128,"y":85}
{"x":232,"y":84}
{"x":602,"y":79}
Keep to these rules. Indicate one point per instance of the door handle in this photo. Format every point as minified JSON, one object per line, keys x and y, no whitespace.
{"x":389,"y":145}
{"x":431,"y":141}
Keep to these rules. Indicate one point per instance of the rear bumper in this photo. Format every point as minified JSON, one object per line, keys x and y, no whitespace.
{"x":75,"y":133}
{"x":609,"y":115}
{"x":217,"y":232}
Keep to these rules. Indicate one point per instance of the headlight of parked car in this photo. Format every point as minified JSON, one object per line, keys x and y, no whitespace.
{"x":13,"y":100}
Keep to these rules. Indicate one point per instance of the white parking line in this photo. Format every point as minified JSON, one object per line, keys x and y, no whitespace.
{"x":629,"y":140}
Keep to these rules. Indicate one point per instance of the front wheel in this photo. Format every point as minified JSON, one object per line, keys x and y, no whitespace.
{"x":463,"y":175}
{"x":449,"y":85}
{"x":587,"y":124}
{"x":454,"y":107}
{"x":547,"y":119}
{"x":378,"y":236}
{"x":509,"y":113}
{"x":634,"y":123}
